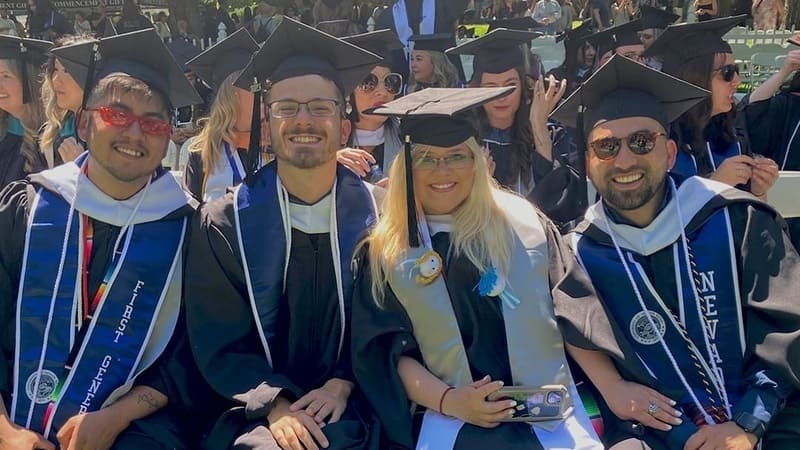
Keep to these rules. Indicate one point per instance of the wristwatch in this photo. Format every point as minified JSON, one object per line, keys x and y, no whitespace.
{"x":751,"y":424}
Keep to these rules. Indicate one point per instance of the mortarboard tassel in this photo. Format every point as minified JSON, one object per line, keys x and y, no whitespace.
{"x":583,"y":188}
{"x":413,"y":236}
{"x":87,"y":87}
{"x":254,"y":147}
{"x":26,"y":91}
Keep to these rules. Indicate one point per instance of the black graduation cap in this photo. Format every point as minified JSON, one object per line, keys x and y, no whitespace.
{"x":140,"y":54}
{"x":434,"y":116}
{"x":295,"y":49}
{"x":438,"y":42}
{"x":183,"y":51}
{"x":31,"y":51}
{"x":383,"y":43}
{"x":517,"y":23}
{"x":624,"y":88}
{"x":497,"y":51}
{"x":653,"y":17}
{"x":575,"y":37}
{"x":685,"y":41}
{"x":615,"y":37}
{"x":225,"y":57}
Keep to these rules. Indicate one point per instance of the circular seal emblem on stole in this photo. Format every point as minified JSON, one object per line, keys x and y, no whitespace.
{"x":642,"y":330}
{"x":47,"y":385}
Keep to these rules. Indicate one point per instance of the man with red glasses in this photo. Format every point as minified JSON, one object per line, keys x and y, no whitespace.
{"x":696,"y":280}
{"x":90,"y":264}
{"x":269,"y":279}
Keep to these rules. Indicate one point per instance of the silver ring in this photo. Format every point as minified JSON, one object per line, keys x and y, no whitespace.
{"x":652,"y":408}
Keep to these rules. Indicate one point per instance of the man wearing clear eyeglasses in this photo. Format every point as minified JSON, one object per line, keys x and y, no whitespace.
{"x":269,"y":280}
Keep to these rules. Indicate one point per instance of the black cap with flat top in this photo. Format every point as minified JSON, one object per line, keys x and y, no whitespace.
{"x":295,"y":49}
{"x":383,"y":43}
{"x":32,"y":51}
{"x":183,"y":51}
{"x":436,"y":117}
{"x":438,"y":42}
{"x":653,"y":17}
{"x":497,"y":51}
{"x":227,"y":56}
{"x":615,"y":37}
{"x":139,"y":54}
{"x":685,"y":41}
{"x":621,"y":89}
{"x":574,"y":38}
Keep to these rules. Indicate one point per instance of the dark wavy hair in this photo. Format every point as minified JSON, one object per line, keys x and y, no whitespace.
{"x":692,"y":128}
{"x":521,"y":133}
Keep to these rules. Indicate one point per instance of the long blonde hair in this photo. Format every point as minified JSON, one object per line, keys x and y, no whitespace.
{"x":219,"y":126}
{"x":32,"y":114}
{"x":54,"y":115}
{"x":480,"y":231}
{"x":445,"y":73}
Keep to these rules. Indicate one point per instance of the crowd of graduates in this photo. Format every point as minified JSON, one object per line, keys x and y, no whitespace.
{"x":368,"y":249}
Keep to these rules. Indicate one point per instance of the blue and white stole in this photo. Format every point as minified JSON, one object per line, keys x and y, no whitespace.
{"x":686,"y":163}
{"x":264,"y":231}
{"x":719,"y":343}
{"x":228,"y":171}
{"x":46,"y":393}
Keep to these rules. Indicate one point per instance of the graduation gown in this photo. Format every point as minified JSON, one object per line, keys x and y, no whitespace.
{"x":553,"y":186}
{"x":12,"y":162}
{"x":768,"y":369}
{"x":385,"y":333}
{"x":196,"y":181}
{"x":303,"y":339}
{"x":774,"y":129}
{"x":162,"y":430}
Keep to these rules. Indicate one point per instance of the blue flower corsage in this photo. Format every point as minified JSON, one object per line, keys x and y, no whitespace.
{"x":493,"y":285}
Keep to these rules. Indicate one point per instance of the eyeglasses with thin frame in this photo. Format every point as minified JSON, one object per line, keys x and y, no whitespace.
{"x":393,"y":83}
{"x":317,"y":107}
{"x":120,"y":118}
{"x":460,"y":160}
{"x":639,"y":142}
{"x":728,"y":71}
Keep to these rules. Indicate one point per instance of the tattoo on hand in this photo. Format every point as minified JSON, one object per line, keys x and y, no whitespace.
{"x":149,"y":399}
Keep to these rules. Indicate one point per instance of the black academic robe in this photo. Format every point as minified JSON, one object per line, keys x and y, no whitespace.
{"x":163,"y":430}
{"x":772,"y":124}
{"x":194,"y":177}
{"x":12,"y":162}
{"x":553,"y":186}
{"x":386,"y":333}
{"x":769,"y":269}
{"x":227,"y":346}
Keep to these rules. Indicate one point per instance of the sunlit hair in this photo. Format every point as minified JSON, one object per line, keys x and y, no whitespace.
{"x":52,"y":113}
{"x":32,"y":114}
{"x":480,"y":230}
{"x":445,"y":74}
{"x":220,"y":124}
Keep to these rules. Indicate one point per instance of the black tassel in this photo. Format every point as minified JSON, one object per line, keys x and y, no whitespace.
{"x":254,"y":146}
{"x":26,"y":90}
{"x":89,"y":83}
{"x":413,"y":237}
{"x":583,"y":188}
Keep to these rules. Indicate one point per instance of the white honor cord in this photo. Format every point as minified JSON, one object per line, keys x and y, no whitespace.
{"x":714,"y":376}
{"x":789,"y":145}
{"x":646,"y":311}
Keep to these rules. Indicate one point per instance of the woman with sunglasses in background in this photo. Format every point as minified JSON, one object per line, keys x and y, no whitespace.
{"x":62,"y":97}
{"x":708,"y":142}
{"x":375,"y":140}
{"x":430,"y":67}
{"x":217,"y":155}
{"x":21,"y":111}
{"x":526,"y":153}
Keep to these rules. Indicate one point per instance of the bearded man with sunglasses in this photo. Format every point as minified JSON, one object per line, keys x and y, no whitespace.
{"x":696,"y":282}
{"x":269,"y":279}
{"x":90,"y":265}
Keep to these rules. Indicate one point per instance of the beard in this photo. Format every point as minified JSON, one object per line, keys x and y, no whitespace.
{"x":307,"y":156}
{"x":631,"y":200}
